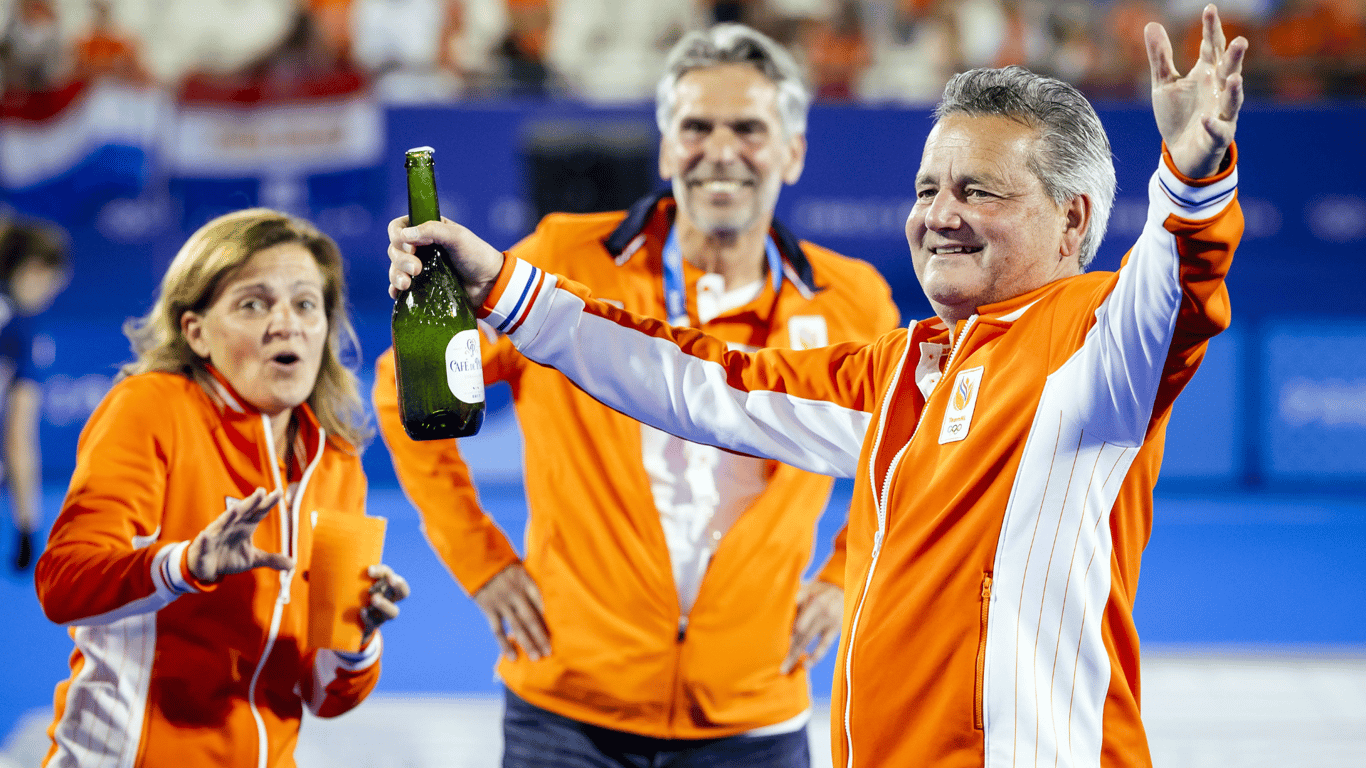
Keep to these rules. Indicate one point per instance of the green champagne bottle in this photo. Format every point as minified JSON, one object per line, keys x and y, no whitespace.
{"x":436,"y":341}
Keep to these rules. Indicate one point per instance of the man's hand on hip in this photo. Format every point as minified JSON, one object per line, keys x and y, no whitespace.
{"x":820,"y":609}
{"x":512,"y":604}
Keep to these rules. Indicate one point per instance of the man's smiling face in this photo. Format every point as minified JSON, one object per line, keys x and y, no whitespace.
{"x":726,"y":151}
{"x":983,"y":229}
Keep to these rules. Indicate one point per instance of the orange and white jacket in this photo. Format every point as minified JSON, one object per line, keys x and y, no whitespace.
{"x":167,"y":670}
{"x":1004,"y":471}
{"x":624,"y":654}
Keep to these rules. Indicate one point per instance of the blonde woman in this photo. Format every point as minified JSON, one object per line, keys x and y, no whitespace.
{"x":180,"y":559}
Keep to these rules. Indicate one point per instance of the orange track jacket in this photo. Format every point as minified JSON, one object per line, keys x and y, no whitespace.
{"x":1004,"y":471}
{"x":621,"y":657}
{"x":167,"y":670}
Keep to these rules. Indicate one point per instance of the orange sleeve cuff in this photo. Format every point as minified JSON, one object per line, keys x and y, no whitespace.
{"x":1227,"y":165}
{"x":190,"y":578}
{"x":499,"y":285}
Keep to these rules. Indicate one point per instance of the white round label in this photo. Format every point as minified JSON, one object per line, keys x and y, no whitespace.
{"x":464,"y":369}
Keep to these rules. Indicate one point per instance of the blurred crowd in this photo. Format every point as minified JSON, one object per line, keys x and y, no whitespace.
{"x":423,"y":51}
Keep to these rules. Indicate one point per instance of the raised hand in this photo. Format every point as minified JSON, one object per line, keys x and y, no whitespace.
{"x":225,"y":546}
{"x":820,"y":609}
{"x":1197,"y":113}
{"x":512,"y":604}
{"x":475,"y":261}
{"x":389,"y":588}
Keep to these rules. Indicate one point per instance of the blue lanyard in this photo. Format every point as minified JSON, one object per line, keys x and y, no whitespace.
{"x":675,"y":293}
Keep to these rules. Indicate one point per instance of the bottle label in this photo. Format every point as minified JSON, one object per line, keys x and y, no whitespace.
{"x":464,"y":369}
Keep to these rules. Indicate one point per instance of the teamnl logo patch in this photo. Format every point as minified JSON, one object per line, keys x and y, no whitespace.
{"x":962,"y":401}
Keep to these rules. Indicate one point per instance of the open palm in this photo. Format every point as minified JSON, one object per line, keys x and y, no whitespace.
{"x":1198,"y":113}
{"x":225,"y":547}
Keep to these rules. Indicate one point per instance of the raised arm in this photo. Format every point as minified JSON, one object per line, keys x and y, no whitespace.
{"x":1169,"y":299}
{"x":809,"y":409}
{"x":105,"y":558}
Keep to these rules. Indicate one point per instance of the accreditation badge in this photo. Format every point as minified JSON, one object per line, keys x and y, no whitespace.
{"x":807,"y":331}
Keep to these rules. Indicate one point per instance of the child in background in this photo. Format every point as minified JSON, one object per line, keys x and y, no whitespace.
{"x":33,"y":270}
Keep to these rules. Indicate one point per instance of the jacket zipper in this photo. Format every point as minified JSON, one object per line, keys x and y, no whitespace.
{"x":678,"y":669}
{"x":881,"y":503}
{"x":289,"y":536}
{"x":977,"y":704}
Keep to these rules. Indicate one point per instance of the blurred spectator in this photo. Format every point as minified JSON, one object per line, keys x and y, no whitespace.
{"x":398,"y":42}
{"x":604,"y":50}
{"x":108,"y":51}
{"x":305,"y":53}
{"x":1075,"y":54}
{"x":836,"y":53}
{"x":613,"y":50}
{"x":31,"y":55}
{"x":526,"y":72}
{"x":914,"y":47}
{"x":217,"y":38}
{"x":1023,"y":34}
{"x":471,"y":41}
{"x":32,"y":272}
{"x":332,"y":23}
{"x":1315,"y":49}
{"x":1345,"y":50}
{"x":789,"y":22}
{"x":302,"y":63}
{"x":428,"y":50}
{"x":1123,"y":72}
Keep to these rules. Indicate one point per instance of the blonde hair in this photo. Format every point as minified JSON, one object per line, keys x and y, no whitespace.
{"x":210,"y":256}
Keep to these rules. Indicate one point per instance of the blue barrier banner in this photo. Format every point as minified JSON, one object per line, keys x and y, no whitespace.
{"x":1315,"y":390}
{"x":1205,"y":432}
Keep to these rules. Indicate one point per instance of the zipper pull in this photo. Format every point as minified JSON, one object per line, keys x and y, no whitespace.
{"x":877,"y":542}
{"x":682,"y":628}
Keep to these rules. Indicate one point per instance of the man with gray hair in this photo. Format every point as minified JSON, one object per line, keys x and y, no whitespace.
{"x":659,"y":614}
{"x":1004,"y":451}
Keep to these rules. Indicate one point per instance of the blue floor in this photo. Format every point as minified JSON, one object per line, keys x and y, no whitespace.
{"x":1240,"y":570}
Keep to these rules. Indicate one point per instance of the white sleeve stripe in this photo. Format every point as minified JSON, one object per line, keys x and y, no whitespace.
{"x":170,"y":569}
{"x":654,"y":381}
{"x":327,"y":663}
{"x":352,"y":662}
{"x":516,"y":299}
{"x":1196,"y":202}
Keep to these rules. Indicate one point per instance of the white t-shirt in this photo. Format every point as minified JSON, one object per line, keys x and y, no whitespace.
{"x":699,"y":490}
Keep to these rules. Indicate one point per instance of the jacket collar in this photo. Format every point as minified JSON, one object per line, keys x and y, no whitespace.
{"x":1002,"y":312}
{"x":233,"y":407}
{"x":1011,"y":309}
{"x":643,"y":211}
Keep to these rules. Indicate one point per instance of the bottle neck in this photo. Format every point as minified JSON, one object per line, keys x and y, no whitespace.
{"x":422,"y":205}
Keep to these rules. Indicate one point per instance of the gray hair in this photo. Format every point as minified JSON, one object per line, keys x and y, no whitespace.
{"x":735,"y":44}
{"x":1074,"y":156}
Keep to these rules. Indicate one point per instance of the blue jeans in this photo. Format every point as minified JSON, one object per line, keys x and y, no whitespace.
{"x":536,"y":738}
